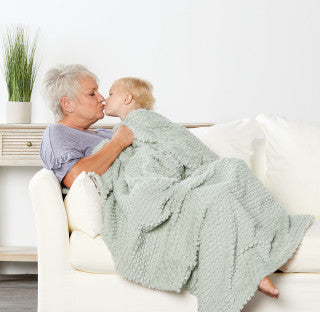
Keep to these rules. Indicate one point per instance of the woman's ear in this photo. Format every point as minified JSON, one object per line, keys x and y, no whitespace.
{"x":66,"y":105}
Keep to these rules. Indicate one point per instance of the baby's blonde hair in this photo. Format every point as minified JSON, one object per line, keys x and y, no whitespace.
{"x":141,"y":91}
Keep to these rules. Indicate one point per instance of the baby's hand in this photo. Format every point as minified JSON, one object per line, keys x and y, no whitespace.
{"x":124,"y":136}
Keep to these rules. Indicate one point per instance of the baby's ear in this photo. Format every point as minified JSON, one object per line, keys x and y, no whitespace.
{"x":128,"y":98}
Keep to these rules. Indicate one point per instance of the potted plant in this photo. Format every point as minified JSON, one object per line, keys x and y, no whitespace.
{"x":20,"y":71}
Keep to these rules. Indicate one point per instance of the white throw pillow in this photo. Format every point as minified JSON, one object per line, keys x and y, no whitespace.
{"x":233,"y":139}
{"x":84,"y":207}
{"x":90,"y":254}
{"x":293,"y":163}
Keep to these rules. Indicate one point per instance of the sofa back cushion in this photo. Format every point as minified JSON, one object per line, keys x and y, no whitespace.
{"x":258,"y":159}
{"x":292,"y":163}
{"x":232,"y":139}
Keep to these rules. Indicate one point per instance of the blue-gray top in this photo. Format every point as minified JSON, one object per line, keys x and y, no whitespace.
{"x":62,"y":146}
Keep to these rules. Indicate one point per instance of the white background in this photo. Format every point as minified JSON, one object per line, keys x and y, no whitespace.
{"x":209,"y":61}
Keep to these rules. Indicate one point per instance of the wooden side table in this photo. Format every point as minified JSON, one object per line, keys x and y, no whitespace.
{"x":20,"y":146}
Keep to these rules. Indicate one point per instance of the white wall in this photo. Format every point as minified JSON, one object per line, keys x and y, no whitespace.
{"x":209,"y":61}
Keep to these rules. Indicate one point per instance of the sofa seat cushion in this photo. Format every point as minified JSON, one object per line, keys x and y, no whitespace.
{"x":307,"y":256}
{"x":91,"y":254}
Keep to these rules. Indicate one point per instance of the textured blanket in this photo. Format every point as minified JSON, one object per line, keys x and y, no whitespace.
{"x":178,"y":217}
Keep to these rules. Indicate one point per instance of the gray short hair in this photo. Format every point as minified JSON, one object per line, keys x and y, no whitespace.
{"x":62,"y":80}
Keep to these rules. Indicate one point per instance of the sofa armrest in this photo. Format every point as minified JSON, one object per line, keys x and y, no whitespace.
{"x":51,"y":221}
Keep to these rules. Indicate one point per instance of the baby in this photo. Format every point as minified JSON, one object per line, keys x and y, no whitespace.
{"x":130,"y":93}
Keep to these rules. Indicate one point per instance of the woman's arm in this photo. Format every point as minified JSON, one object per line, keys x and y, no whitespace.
{"x":100,"y":161}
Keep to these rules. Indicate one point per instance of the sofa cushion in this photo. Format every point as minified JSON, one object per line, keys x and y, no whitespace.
{"x":83,"y":206}
{"x":92,"y":255}
{"x":307,"y":255}
{"x":293,"y":163}
{"x":258,"y":159}
{"x":230,"y":139}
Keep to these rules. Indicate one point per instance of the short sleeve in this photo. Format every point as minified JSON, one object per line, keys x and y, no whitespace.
{"x":63,"y":146}
{"x":60,"y":165}
{"x":63,"y":164}
{"x":59,"y":157}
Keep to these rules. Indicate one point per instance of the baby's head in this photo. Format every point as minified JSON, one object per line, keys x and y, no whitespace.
{"x":127,"y":94}
{"x":141,"y":91}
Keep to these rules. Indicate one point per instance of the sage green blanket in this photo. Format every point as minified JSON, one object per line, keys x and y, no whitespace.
{"x":178,"y":217}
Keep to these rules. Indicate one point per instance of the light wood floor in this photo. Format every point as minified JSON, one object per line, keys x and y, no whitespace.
{"x":18,"y":292}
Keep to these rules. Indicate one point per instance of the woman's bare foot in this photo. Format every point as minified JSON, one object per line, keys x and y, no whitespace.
{"x":267,"y":287}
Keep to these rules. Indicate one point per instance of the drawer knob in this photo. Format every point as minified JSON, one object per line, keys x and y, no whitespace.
{"x":29,"y":143}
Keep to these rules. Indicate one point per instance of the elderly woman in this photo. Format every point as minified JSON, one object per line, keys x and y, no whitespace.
{"x":67,"y":145}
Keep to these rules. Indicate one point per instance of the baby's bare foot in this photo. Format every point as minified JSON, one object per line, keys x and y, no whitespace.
{"x":268,"y":288}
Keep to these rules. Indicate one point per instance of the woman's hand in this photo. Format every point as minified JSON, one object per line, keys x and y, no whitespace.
{"x":124,"y":136}
{"x":100,"y":161}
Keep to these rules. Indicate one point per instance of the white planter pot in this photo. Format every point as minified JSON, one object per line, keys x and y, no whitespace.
{"x":18,"y":112}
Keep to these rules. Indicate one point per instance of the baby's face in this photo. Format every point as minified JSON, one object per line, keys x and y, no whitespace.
{"x":115,"y":102}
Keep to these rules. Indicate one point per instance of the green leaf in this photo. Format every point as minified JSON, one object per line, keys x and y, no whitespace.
{"x":20,"y":67}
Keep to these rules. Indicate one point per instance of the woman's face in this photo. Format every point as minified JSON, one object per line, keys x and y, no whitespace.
{"x":88,"y":104}
{"x":115,"y":101}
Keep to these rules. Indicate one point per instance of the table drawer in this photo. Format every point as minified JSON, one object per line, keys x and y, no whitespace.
{"x":20,"y":144}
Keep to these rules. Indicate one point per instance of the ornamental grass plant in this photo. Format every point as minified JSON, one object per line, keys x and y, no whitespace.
{"x":20,"y":67}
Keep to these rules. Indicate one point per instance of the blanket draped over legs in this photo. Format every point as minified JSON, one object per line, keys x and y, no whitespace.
{"x":178,"y":217}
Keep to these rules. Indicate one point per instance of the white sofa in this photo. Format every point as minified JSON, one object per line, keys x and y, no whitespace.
{"x":76,"y":271}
